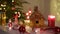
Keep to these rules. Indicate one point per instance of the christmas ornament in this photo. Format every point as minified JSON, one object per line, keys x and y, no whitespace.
{"x":19,"y":14}
{"x":22,"y":29}
{"x":10,"y":24}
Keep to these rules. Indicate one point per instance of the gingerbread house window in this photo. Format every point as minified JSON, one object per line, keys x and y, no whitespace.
{"x":37,"y":22}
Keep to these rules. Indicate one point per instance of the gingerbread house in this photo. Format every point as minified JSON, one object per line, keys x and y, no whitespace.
{"x":36,"y":18}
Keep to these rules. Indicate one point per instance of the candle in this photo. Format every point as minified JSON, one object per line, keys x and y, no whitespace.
{"x":51,"y":21}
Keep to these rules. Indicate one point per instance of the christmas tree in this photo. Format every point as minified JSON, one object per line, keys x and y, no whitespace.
{"x":9,"y":7}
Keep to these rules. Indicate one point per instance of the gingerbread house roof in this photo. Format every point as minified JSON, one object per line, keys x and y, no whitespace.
{"x":36,"y":14}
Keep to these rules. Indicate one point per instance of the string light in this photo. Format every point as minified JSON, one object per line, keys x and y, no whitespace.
{"x":0,"y":8}
{"x":28,"y":17}
{"x":4,"y":5}
{"x":1,"y":4}
{"x":12,"y":0}
{"x":4,"y":8}
{"x":27,"y":13}
{"x":15,"y":12}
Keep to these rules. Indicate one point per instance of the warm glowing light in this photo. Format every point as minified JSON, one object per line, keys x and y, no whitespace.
{"x":4,"y":18}
{"x":51,"y":16}
{"x":27,"y":21}
{"x":27,"y":13}
{"x":15,"y":12}
{"x":37,"y":30}
{"x":0,"y":8}
{"x":10,"y":28}
{"x":12,"y":0}
{"x":4,"y":5}
{"x":4,"y":8}
{"x":1,"y":4}
{"x":28,"y":17}
{"x":9,"y":20}
{"x":28,"y":29}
